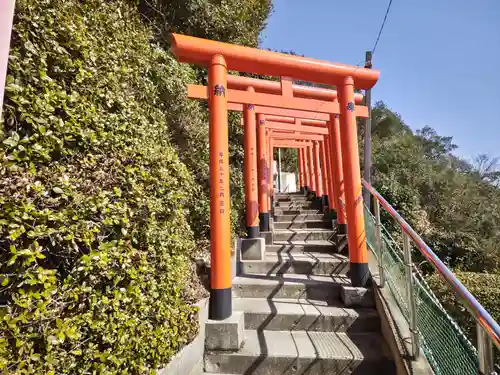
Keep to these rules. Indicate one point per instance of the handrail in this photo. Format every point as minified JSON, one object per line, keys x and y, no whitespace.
{"x":483,"y":318}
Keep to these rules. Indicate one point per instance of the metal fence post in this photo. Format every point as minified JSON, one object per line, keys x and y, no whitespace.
{"x":378,"y":238}
{"x":410,"y":296}
{"x":484,"y":352}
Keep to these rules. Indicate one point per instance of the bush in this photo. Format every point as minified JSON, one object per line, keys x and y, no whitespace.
{"x":483,"y":286}
{"x":95,"y":235}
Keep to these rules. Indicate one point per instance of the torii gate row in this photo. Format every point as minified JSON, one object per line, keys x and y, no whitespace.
{"x":267,"y":135}
{"x":308,"y":177}
{"x":219,"y":57}
{"x":331,"y":159}
{"x":335,"y":197}
{"x":261,"y":222}
{"x":275,"y":136}
{"x":328,"y":191}
{"x":301,"y":146}
{"x":286,"y":115}
{"x":316,"y":162}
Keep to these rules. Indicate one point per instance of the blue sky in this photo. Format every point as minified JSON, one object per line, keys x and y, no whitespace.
{"x":433,"y":56}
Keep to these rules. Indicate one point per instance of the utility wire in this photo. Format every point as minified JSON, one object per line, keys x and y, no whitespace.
{"x":358,"y":65}
{"x":382,"y":27}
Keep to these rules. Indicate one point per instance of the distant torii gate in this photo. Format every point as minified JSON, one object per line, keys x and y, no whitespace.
{"x":325,"y":153}
{"x":299,"y":146}
{"x":219,"y":57}
{"x":315,"y":161}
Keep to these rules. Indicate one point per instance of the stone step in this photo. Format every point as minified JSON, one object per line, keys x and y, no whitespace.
{"x":319,"y":246}
{"x":294,"y":194}
{"x":305,"y":202}
{"x":285,"y":211}
{"x":287,"y":202}
{"x":294,"y":198}
{"x":324,"y":288}
{"x":298,"y":263}
{"x":299,"y":204}
{"x":309,"y":224}
{"x":302,"y":235}
{"x":301,"y":208}
{"x":300,"y":217}
{"x":301,"y":353}
{"x":305,"y":315}
{"x":342,"y":245}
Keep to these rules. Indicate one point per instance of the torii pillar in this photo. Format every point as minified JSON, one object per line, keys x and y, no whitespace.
{"x":250,"y":170}
{"x":220,"y":305}
{"x":262,"y":170}
{"x":356,"y":238}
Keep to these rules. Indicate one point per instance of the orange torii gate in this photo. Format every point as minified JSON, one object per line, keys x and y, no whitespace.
{"x":275,"y":87}
{"x":219,"y":57}
{"x":331,"y":187}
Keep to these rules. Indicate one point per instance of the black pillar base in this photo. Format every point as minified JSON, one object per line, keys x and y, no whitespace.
{"x":331,"y":215}
{"x":359,"y":274}
{"x":341,"y":228}
{"x":220,"y":304}
{"x":253,"y":232}
{"x":325,"y":201}
{"x":264,"y":221}
{"x":301,"y":190}
{"x":272,"y":204}
{"x":319,"y":203}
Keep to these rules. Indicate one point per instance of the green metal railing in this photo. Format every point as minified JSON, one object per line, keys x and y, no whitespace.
{"x":433,"y":331}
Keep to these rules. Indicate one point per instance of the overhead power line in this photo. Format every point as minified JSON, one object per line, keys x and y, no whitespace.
{"x":382,"y":26}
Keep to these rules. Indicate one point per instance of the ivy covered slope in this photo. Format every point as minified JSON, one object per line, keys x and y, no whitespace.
{"x":96,"y":206}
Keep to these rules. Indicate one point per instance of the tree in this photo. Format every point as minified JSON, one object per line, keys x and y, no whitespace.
{"x":435,"y":146}
{"x":487,"y":168}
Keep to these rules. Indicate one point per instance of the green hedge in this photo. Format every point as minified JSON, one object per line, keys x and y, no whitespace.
{"x":94,"y":228}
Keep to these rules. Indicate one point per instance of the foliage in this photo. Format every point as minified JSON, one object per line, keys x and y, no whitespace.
{"x":289,"y":159}
{"x":95,"y":242}
{"x":234,"y":21}
{"x":104,"y":188}
{"x":452,"y":204}
{"x":477,"y":284}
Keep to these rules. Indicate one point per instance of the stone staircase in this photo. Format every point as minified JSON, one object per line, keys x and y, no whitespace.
{"x":298,"y":314}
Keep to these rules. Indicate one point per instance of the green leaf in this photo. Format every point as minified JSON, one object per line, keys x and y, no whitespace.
{"x":58,"y":190}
